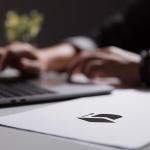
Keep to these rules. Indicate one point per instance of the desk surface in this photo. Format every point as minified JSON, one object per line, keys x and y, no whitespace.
{"x":13,"y":139}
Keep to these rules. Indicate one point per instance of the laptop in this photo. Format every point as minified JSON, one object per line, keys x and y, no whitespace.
{"x":49,"y":87}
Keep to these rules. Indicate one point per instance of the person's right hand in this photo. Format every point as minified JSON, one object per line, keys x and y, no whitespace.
{"x":23,"y":57}
{"x":110,"y":65}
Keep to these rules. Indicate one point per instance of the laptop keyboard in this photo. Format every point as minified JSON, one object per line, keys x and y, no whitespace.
{"x":21,"y":89}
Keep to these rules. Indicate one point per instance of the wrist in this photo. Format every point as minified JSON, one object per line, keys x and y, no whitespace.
{"x":82,"y":43}
{"x":56,"y":57}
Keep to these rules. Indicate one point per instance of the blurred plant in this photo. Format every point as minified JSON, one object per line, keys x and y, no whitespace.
{"x":25,"y":27}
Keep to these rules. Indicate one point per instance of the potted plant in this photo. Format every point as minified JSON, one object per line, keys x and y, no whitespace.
{"x":23,"y":27}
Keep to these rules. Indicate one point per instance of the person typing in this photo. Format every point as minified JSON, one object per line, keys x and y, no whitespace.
{"x":113,"y":54}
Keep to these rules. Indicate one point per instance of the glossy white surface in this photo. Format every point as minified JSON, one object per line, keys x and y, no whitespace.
{"x":131,"y":131}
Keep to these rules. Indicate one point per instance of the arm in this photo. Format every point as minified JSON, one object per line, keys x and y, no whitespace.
{"x":57,"y":57}
{"x":31,"y":60}
{"x":129,"y":31}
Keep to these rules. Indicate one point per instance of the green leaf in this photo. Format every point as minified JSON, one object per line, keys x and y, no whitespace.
{"x":24,"y":27}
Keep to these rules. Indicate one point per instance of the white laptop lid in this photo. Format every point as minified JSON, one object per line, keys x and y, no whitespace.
{"x":120,"y":120}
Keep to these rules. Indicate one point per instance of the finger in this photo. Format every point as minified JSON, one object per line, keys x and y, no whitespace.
{"x":30,"y":67}
{"x":93,"y":67}
{"x":5,"y":59}
{"x":25,"y":54}
{"x":22,"y":50}
{"x":84,"y":58}
{"x":113,"y":81}
{"x":80,"y":79}
{"x":79,"y":62}
{"x":2,"y":53}
{"x":18,"y":46}
{"x":73,"y":66}
{"x":13,"y":59}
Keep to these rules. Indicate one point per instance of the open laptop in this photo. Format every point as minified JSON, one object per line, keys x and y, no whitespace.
{"x":49,"y":87}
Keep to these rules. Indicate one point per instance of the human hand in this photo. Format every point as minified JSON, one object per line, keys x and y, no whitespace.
{"x":23,"y":57}
{"x":30,"y":61}
{"x":110,"y":65}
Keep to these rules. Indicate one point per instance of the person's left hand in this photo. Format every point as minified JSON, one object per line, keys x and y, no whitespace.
{"x":22,"y":56}
{"x":32,"y":61}
{"x":110,"y":65}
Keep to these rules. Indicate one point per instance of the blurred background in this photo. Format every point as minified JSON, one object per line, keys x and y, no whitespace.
{"x":63,"y":18}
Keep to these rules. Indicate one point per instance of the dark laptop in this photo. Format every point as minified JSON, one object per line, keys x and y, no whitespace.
{"x":50,"y":87}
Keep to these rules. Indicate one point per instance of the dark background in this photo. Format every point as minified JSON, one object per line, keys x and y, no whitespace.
{"x":63,"y":18}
